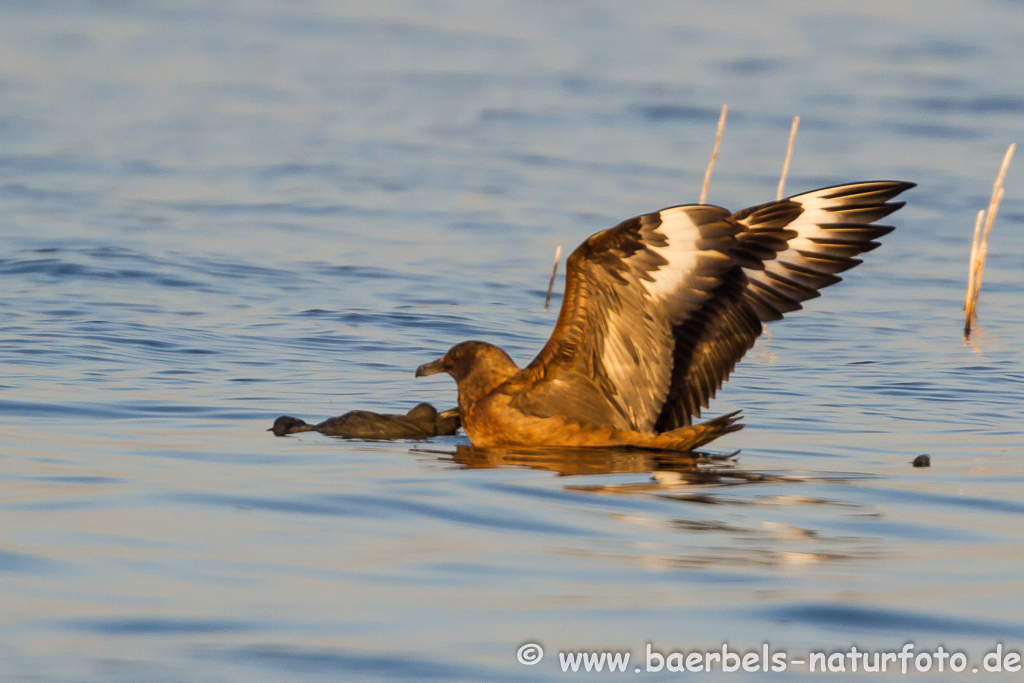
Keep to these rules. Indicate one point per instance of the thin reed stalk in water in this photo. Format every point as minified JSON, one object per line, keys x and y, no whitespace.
{"x":714,"y":154}
{"x":789,"y":156}
{"x":975,"y":247}
{"x":554,"y":271}
{"x":980,"y":252}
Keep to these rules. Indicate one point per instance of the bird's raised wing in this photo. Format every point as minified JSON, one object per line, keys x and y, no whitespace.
{"x":610,"y":357}
{"x":785,"y":252}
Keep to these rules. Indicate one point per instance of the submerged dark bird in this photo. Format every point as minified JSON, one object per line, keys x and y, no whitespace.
{"x":657,"y":312}
{"x":421,"y":422}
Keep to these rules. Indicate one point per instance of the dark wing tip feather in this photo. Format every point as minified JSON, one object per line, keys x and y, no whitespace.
{"x":765,"y":310}
{"x":850,"y":233}
{"x":873,"y":190}
{"x":792,"y":289}
{"x":776,"y":296}
{"x":866,"y":213}
{"x":808,"y":276}
{"x":826,"y":263}
{"x":771,"y":215}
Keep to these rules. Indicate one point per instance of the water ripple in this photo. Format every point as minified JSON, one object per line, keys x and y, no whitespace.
{"x":846,"y":618}
{"x":360,"y":505}
{"x":157,"y":626}
{"x":387,"y":667}
{"x":23,"y":563}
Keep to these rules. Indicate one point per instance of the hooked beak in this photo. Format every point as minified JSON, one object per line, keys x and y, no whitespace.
{"x":434,"y":368}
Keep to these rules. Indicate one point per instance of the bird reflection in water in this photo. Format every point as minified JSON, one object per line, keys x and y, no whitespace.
{"x":669,"y":470}
{"x":696,"y":478}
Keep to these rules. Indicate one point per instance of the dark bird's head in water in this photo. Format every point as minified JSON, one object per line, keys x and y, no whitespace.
{"x":421,"y":422}
{"x":286,"y":424}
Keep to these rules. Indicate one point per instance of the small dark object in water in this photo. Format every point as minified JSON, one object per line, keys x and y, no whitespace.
{"x":922,"y":461}
{"x":421,"y":422}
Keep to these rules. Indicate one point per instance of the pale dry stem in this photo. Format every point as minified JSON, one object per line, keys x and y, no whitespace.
{"x":979,"y":250}
{"x":714,"y":154}
{"x":789,"y":156}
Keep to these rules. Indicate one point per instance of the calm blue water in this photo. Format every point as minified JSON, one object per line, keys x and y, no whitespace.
{"x":212,"y":214}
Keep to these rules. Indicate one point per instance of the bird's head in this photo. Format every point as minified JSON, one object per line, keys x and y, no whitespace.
{"x":474,"y":365}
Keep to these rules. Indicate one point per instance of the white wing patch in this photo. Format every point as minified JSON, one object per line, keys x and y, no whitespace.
{"x":638,"y":359}
{"x":680,"y":252}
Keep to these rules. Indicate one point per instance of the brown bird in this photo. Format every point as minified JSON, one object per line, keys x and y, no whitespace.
{"x":657,"y":312}
{"x":421,"y":422}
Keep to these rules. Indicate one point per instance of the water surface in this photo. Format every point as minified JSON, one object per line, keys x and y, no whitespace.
{"x":212,"y":215}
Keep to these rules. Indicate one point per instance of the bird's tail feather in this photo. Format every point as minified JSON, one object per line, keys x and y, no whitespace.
{"x":690,"y":437}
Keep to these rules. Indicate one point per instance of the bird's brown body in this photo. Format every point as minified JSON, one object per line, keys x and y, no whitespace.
{"x":488,"y":380}
{"x":657,"y":312}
